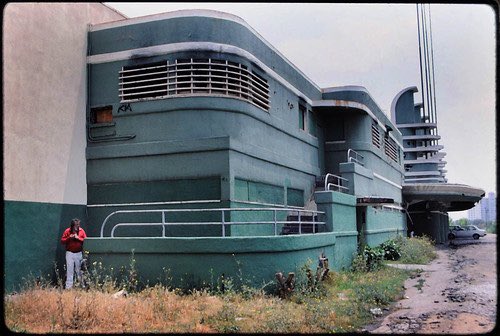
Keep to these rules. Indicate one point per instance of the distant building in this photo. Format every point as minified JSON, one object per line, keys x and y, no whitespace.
{"x":485,"y":210}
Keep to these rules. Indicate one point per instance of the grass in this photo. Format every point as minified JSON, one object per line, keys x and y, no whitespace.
{"x":340,"y":303}
{"x":416,"y":250}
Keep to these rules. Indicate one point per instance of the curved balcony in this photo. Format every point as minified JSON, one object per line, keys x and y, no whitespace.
{"x":424,"y":149}
{"x":422,"y":137}
{"x":421,"y":161}
{"x":423,"y":173}
{"x":417,"y":125}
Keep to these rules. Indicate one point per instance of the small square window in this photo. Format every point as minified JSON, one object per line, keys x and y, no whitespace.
{"x":101,"y":115}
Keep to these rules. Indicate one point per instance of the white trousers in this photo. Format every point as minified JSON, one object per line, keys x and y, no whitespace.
{"x":73,"y":263}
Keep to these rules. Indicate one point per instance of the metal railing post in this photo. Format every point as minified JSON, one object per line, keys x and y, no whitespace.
{"x":275,"y":225}
{"x":223,"y":226}
{"x":300,"y":223}
{"x":163,"y":224}
{"x":314,"y":223}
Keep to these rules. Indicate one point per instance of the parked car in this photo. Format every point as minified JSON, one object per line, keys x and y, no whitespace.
{"x":469,"y":231}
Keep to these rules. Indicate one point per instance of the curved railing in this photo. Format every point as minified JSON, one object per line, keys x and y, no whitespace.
{"x":353,"y":156}
{"x":337,"y":183}
{"x":300,"y":212}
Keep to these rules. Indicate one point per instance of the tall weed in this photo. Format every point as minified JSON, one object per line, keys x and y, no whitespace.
{"x":417,"y":250}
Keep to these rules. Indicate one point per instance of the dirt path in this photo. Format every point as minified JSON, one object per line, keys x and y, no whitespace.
{"x":455,"y":294}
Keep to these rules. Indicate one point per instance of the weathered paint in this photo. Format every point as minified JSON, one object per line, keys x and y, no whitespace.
{"x":340,"y":214}
{"x":383,"y":224}
{"x":202,"y":261}
{"x":204,"y":151}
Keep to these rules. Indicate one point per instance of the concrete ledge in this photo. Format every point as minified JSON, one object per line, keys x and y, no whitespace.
{"x":334,"y":197}
{"x":383,"y":230}
{"x":351,"y":167}
{"x":346,"y":233}
{"x":192,"y":245}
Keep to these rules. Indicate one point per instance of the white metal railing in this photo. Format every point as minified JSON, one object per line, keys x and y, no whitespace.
{"x":338,"y":183}
{"x":222,"y":222}
{"x":353,"y":156}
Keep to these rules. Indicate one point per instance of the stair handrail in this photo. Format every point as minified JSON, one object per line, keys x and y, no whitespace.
{"x":338,"y":184}
{"x":355,"y":158}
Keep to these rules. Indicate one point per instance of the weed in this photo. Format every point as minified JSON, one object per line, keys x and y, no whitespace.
{"x":340,"y":302}
{"x":420,"y":284}
{"x":225,"y":319}
{"x":417,"y":250}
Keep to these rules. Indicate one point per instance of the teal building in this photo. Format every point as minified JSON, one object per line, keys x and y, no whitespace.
{"x":193,"y":145}
{"x":208,"y":149}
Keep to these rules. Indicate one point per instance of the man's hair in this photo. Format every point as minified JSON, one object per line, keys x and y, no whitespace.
{"x":73,"y":223}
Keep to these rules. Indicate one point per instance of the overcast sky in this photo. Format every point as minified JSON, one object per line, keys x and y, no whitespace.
{"x":376,"y":46}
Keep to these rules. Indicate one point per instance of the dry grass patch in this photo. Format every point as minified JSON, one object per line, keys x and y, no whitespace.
{"x":340,"y":303}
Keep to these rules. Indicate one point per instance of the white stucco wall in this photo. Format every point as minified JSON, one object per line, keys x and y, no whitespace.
{"x":44,"y":91}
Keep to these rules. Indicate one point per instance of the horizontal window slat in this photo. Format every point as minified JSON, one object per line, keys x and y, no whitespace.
{"x":194,"y":76}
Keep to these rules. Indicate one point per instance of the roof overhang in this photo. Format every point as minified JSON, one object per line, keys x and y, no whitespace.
{"x":453,"y":197}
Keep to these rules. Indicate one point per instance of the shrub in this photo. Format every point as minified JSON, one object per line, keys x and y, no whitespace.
{"x":370,"y":259}
{"x":374,"y":257}
{"x":417,"y":250}
{"x":392,"y":249}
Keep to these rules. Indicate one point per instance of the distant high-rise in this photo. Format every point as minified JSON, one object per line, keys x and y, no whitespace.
{"x":485,"y":210}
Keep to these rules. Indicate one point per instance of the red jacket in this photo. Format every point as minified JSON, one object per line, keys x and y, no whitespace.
{"x":73,"y":244}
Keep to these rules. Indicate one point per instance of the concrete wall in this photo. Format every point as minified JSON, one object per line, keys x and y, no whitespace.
{"x":340,"y":215}
{"x":44,"y":55}
{"x":44,"y":104}
{"x":198,"y":137}
{"x":196,"y":262}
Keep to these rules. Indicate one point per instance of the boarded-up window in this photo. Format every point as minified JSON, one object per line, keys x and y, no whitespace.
{"x":102,"y":114}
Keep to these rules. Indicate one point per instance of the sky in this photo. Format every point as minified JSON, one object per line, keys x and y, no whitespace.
{"x":376,"y":46}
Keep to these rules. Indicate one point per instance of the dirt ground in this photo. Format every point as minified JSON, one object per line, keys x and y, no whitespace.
{"x":455,"y":294}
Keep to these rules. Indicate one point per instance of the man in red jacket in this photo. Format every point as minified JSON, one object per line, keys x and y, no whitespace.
{"x":73,"y":238}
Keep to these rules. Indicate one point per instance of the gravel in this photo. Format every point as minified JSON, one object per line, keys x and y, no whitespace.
{"x":456,"y":293}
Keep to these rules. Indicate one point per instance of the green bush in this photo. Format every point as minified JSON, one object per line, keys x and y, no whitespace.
{"x":417,"y":250}
{"x":370,"y":259}
{"x":392,"y":249}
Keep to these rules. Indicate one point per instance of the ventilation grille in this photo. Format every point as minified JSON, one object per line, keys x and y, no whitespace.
{"x":189,"y":77}
{"x":391,"y":149}
{"x":375,"y":135}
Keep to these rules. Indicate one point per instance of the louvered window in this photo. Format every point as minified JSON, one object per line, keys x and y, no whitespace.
{"x":191,"y":77}
{"x":391,"y":149}
{"x":375,"y":135}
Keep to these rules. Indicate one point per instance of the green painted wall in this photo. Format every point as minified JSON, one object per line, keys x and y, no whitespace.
{"x":32,"y":232}
{"x":383,"y":224}
{"x":197,"y":29}
{"x":153,"y":191}
{"x":198,"y":261}
{"x":340,"y":214}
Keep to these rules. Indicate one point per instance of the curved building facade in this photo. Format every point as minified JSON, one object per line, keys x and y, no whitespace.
{"x":426,"y":193}
{"x":207,"y":152}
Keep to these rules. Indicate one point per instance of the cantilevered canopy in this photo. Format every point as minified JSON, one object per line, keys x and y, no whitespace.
{"x":454,"y":197}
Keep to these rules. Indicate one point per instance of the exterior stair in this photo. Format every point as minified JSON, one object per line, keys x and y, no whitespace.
{"x":293,"y":228}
